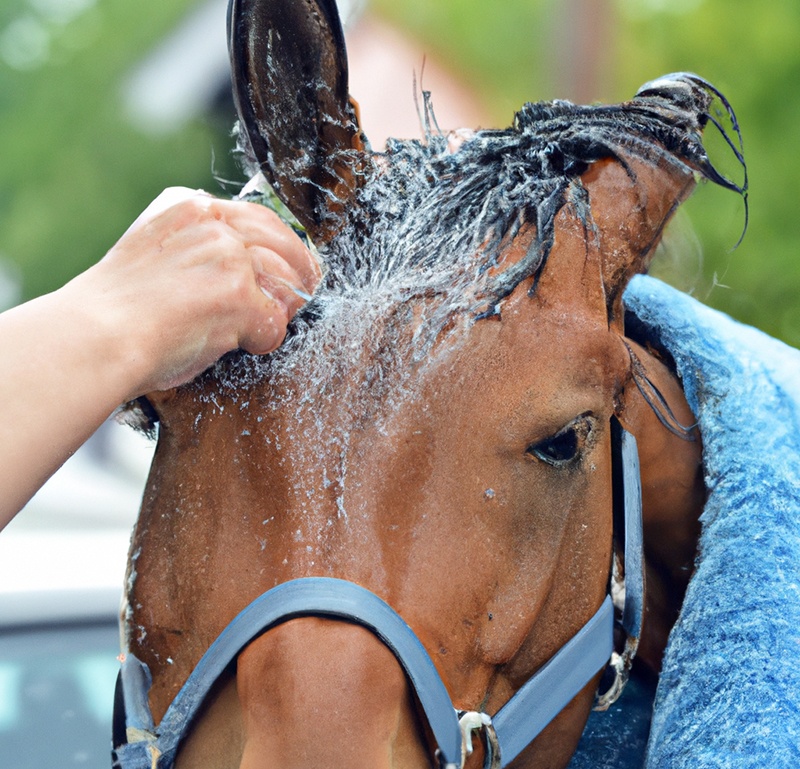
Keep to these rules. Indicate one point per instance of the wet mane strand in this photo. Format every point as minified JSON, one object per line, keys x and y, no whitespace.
{"x":432,"y":223}
{"x":429,"y":225}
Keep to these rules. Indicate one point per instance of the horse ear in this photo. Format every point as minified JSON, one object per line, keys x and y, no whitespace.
{"x":632,"y":200}
{"x":651,"y":169}
{"x":290,"y":85}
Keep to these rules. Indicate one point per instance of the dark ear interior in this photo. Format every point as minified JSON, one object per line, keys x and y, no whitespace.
{"x":289,"y":70}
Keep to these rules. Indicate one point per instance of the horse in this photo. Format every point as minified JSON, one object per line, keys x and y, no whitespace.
{"x":435,"y":433}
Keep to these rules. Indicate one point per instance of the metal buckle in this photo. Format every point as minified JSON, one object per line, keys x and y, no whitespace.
{"x":471,"y":721}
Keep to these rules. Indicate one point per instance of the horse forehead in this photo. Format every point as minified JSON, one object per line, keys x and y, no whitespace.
{"x":547,"y":382}
{"x":400,"y":349}
{"x":549,"y":331}
{"x":533,"y":363}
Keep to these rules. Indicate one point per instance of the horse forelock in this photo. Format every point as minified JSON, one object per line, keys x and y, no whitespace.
{"x":429,"y":226}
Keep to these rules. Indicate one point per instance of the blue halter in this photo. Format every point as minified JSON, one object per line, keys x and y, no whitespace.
{"x":139,"y":744}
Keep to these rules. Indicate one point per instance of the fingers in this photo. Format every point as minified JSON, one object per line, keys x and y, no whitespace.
{"x":252,"y":224}
{"x":278,"y":279}
{"x":285,"y":270}
{"x":282,"y":295}
{"x":258,"y":226}
{"x":169,"y":198}
{"x":268,"y":330}
{"x":241,"y":256}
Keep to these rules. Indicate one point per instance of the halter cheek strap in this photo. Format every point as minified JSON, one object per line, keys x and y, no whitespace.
{"x":628,"y":525}
{"x":139,"y":744}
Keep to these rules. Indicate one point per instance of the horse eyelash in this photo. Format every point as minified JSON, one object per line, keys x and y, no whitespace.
{"x":581,"y":427}
{"x":657,"y":402}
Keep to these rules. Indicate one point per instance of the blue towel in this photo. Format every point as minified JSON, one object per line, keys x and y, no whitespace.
{"x":729,"y":692}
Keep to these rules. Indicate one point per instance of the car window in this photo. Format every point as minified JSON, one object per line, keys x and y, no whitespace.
{"x":56,"y":696}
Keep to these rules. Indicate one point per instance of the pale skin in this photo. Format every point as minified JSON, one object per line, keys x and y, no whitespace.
{"x":192,"y":278}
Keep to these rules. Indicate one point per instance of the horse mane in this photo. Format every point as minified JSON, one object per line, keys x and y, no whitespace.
{"x":432,"y":224}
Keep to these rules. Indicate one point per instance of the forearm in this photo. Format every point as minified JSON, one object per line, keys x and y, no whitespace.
{"x":64,"y":372}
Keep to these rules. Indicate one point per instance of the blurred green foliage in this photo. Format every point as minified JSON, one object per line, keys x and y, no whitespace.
{"x":751,"y":51}
{"x":75,"y":173}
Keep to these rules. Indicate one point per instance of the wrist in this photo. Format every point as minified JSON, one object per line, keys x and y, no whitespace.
{"x":104,"y":333}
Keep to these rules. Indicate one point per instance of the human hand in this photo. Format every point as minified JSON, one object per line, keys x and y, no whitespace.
{"x":193,"y":278}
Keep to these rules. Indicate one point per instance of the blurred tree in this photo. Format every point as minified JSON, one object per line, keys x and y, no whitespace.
{"x":75,"y":171}
{"x":751,"y":51}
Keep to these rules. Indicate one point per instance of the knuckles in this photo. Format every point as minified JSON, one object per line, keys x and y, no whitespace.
{"x":247,"y":285}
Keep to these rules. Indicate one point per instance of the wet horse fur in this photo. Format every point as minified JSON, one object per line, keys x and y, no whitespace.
{"x":436,"y":429}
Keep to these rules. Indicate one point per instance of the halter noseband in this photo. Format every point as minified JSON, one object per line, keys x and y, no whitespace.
{"x":139,"y":744}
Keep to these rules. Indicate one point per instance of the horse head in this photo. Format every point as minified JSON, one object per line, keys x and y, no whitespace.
{"x":437,"y":426}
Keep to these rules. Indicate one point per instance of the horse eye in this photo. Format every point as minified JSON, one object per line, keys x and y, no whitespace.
{"x":565,"y":446}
